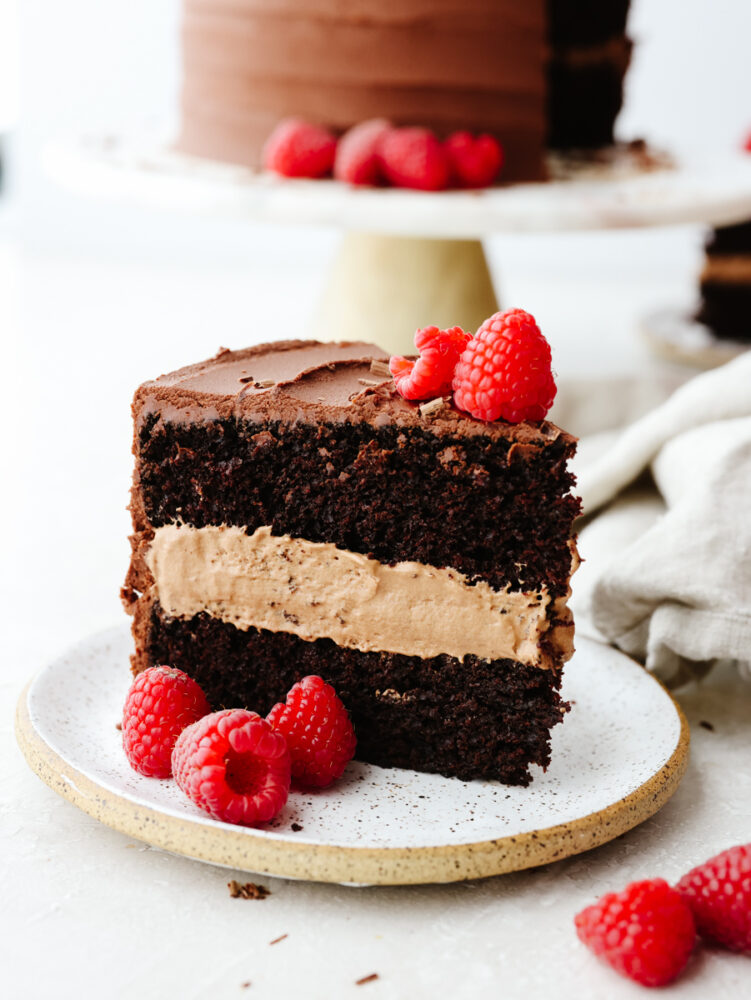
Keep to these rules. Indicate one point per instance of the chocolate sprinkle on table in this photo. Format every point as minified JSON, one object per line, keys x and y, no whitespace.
{"x":247,"y":891}
{"x":367,"y":979}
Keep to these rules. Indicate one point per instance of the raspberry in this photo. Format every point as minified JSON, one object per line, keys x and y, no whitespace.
{"x":414,"y":158}
{"x":161,"y":702}
{"x":357,"y":160}
{"x":431,"y":374}
{"x":645,"y":932}
{"x":298,"y":149}
{"x":233,"y":765}
{"x":719,"y":894}
{"x":505,"y":370}
{"x":318,"y":731}
{"x":475,"y":161}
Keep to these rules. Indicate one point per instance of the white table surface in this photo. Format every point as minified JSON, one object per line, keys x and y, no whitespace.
{"x":85,"y":911}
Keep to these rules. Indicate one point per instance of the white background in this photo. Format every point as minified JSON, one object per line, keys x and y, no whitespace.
{"x":96,"y":297}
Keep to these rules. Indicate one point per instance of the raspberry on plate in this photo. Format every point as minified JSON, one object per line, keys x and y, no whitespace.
{"x":505,"y":370}
{"x":476,"y":161}
{"x":297,"y":148}
{"x":161,"y":702}
{"x":431,"y":374}
{"x":414,"y":158}
{"x":357,"y":160}
{"x":646,"y":932}
{"x":233,"y":765}
{"x":318,"y":731}
{"x":719,"y":894}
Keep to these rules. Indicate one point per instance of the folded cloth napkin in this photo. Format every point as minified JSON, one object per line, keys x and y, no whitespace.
{"x":667,"y":576}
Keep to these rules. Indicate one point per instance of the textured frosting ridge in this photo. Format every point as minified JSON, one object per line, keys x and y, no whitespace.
{"x":443,"y":64}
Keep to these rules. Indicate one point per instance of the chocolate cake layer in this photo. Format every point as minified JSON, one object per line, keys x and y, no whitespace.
{"x":395,"y":494}
{"x":468,"y":719}
{"x":725,"y":283}
{"x":726,"y":309}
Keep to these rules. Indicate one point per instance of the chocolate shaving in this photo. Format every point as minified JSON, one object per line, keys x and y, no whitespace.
{"x":432,"y":407}
{"x":367,"y":979}
{"x":277,"y":940}
{"x":249,"y":890}
{"x":380,"y":368}
{"x":706,"y":725}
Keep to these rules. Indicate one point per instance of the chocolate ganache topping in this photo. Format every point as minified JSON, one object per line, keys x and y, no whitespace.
{"x":310,"y":381}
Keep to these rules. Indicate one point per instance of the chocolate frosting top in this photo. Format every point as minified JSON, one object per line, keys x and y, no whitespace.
{"x":311,"y":382}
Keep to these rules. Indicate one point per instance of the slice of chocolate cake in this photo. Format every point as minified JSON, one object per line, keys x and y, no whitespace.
{"x":725,"y":283}
{"x":294,"y":515}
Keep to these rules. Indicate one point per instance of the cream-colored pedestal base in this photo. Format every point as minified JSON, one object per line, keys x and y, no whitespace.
{"x":382,"y":288}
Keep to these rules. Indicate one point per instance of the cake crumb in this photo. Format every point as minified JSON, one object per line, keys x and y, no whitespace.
{"x":249,"y":890}
{"x":245,"y":985}
{"x":296,"y":828}
{"x":706,"y":725}
{"x":277,"y":940}
{"x":433,"y":406}
{"x":380,"y":368}
{"x":119,"y":725}
{"x":367,"y":979}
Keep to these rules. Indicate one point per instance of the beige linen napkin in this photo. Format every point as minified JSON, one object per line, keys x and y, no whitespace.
{"x":667,"y":576}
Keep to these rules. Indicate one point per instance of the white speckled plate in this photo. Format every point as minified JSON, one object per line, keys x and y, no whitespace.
{"x":617,"y":758}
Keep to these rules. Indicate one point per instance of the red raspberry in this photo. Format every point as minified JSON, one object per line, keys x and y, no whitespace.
{"x":161,"y":702}
{"x":719,"y":894}
{"x":476,"y":161}
{"x":505,"y":370}
{"x":431,"y":374}
{"x":645,"y":932}
{"x":233,"y":765}
{"x":357,"y":160}
{"x":318,"y":731}
{"x":298,"y":149}
{"x":414,"y":158}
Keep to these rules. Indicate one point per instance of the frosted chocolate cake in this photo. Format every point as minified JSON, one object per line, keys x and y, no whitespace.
{"x":725,"y":283}
{"x":293,"y":515}
{"x":535,"y":74}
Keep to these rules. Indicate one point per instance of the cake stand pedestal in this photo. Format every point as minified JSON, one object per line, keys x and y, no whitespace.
{"x":382,"y":288}
{"x":411,"y":258}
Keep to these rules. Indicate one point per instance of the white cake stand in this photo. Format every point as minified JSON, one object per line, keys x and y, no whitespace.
{"x":410,"y":258}
{"x":675,"y":335}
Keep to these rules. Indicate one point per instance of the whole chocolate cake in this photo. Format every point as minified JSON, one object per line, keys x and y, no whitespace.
{"x":535,"y":74}
{"x":294,"y":515}
{"x":725,"y":283}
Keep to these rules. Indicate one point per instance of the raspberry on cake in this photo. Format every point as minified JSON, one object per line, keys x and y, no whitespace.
{"x":294,"y":515}
{"x":431,"y":374}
